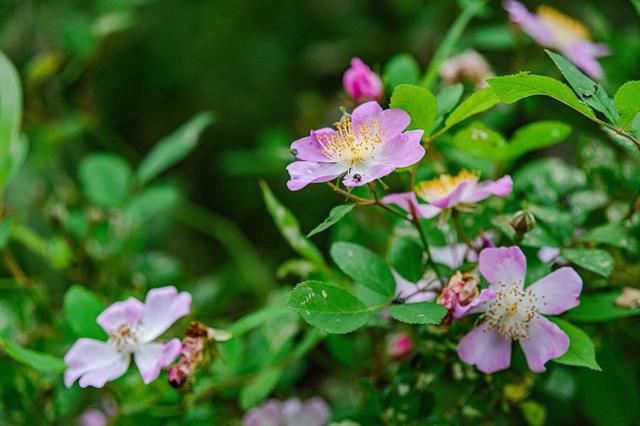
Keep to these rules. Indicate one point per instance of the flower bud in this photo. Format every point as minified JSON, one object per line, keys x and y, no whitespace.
{"x":522,"y":222}
{"x":192,"y":353}
{"x":460,"y":290}
{"x":399,"y":346}
{"x":361,"y":83}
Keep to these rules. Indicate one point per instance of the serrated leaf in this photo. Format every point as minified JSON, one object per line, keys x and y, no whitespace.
{"x":37,"y":360}
{"x":401,"y":69}
{"x":600,"y":307}
{"x":581,"y":352}
{"x":418,"y":102}
{"x":260,"y":387}
{"x":364,"y":266}
{"x":418,"y":313}
{"x":478,"y":102}
{"x":512,"y":88}
{"x":594,"y":260}
{"x":627,"y":101}
{"x":81,"y":308}
{"x":173,"y":148}
{"x":330,"y":308}
{"x":335,"y":215}
{"x":105,"y":179}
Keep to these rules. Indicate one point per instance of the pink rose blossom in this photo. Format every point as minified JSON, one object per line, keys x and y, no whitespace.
{"x":447,"y":191}
{"x":550,"y":28}
{"x":513,"y":312}
{"x":132,"y":327}
{"x":292,"y":412}
{"x":361,"y":83}
{"x":399,"y":346}
{"x":367,"y":145}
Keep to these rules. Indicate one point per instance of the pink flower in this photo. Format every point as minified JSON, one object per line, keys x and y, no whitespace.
{"x":445,"y":192}
{"x":132,"y":327}
{"x":399,"y":346}
{"x":292,"y":412}
{"x":366,"y":146}
{"x":513,"y":312}
{"x":461,"y":290}
{"x":422,"y":291}
{"x":93,"y":417}
{"x":361,"y":83}
{"x":468,"y":65}
{"x":550,"y":28}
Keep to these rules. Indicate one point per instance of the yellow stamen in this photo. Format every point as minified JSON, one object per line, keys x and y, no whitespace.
{"x":352,"y":145}
{"x":443,"y":185}
{"x":564,"y":28}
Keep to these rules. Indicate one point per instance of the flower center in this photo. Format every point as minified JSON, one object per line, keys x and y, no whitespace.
{"x":350,"y":145}
{"x":512,"y":311}
{"x":125,"y":338}
{"x":443,"y":185}
{"x":565,"y":29}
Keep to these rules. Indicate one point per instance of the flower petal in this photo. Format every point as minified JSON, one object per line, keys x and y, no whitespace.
{"x":452,"y":256}
{"x":98,"y":361}
{"x":309,"y":149}
{"x":153,"y":357}
{"x":363,"y":174}
{"x":365,"y":113}
{"x":456,"y":196}
{"x":583,"y":54}
{"x":406,"y":199}
{"x":546,"y":341}
{"x":501,"y":187}
{"x":314,"y":412}
{"x":162,"y":307}
{"x":408,"y":291}
{"x":268,"y":414}
{"x":479,"y":304}
{"x":486,"y":349}
{"x":403,"y":150}
{"x":128,"y":311}
{"x":393,"y":121}
{"x":504,"y":266}
{"x":529,"y":23}
{"x":305,"y":172}
{"x":559,"y":291}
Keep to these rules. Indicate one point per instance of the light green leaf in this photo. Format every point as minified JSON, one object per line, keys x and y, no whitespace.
{"x":448,"y":98}
{"x":418,"y":102}
{"x":535,"y":136}
{"x":259,"y":387}
{"x":612,"y":234}
{"x":600,"y":307}
{"x":401,"y":69}
{"x":105,"y":179}
{"x":627,"y":101}
{"x":37,"y":360}
{"x":10,"y":117}
{"x":81,"y":308}
{"x":581,"y":352}
{"x":364,"y":266}
{"x":418,"y":313}
{"x":150,"y":202}
{"x":173,"y":148}
{"x":481,"y":141}
{"x":590,"y":92}
{"x":334,"y":217}
{"x":512,"y":88}
{"x":594,"y":260}
{"x":289,"y":227}
{"x":330,"y":308}
{"x":478,"y":102}
{"x":534,"y":413}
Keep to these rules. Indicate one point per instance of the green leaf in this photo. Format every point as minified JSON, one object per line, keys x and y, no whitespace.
{"x":150,"y":202}
{"x":418,"y":313}
{"x":448,"y":98}
{"x":334,"y":217}
{"x":260,"y":387}
{"x":512,"y":88}
{"x":590,"y":92}
{"x":581,"y":352}
{"x":18,"y":155}
{"x":612,"y":234}
{"x":478,"y":102}
{"x":418,"y":102}
{"x":481,"y":141}
{"x":105,"y":179}
{"x":534,"y":413}
{"x":37,"y":360}
{"x":401,"y":69}
{"x":406,"y":257}
{"x":81,"y":308}
{"x":289,"y":227}
{"x":5,"y":232}
{"x":364,"y":266}
{"x":173,"y":148}
{"x":627,"y":101}
{"x":600,"y":307}
{"x":535,"y":136}
{"x":330,"y":308}
{"x":10,"y":117}
{"x":594,"y":260}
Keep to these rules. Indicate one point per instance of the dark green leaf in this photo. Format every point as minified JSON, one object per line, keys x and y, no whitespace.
{"x":534,"y":136}
{"x":364,"y":266}
{"x":334,"y":217}
{"x":600,"y":307}
{"x":478,"y":102}
{"x":5,"y":232}
{"x":418,"y":313}
{"x":581,"y":352}
{"x":39,"y":361}
{"x":612,"y":234}
{"x":10,"y":117}
{"x":594,"y":260}
{"x":401,"y":69}
{"x":259,"y":387}
{"x":627,"y":101}
{"x":81,"y":308}
{"x":406,"y":257}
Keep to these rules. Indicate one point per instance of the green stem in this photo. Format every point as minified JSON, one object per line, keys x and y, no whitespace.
{"x":425,"y":243}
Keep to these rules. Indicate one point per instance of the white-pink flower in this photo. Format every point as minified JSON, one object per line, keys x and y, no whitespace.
{"x":515,"y":312}
{"x":132,"y":327}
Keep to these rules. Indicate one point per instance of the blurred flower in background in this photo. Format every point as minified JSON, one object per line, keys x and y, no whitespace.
{"x":292,"y":412}
{"x":469,"y":65}
{"x":361,"y":83}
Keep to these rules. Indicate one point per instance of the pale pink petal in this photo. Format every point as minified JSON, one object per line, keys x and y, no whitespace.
{"x":558,"y":292}
{"x":99,"y":377}
{"x":501,"y":187}
{"x":479,"y":304}
{"x":309,"y":149}
{"x":314,"y":412}
{"x":546,"y":341}
{"x":504,"y":266}
{"x":529,"y":23}
{"x":89,"y":355}
{"x":409,"y":292}
{"x":393,"y":121}
{"x":93,"y":417}
{"x":366,"y":113}
{"x":305,"y":172}
{"x":485,"y":348}
{"x":452,"y":256}
{"x":268,"y":414}
{"x":456,"y":196}
{"x":404,"y":150}
{"x":162,"y":307}
{"x":548,"y":254}
{"x":584,"y":55}
{"x":364,"y":173}
{"x":128,"y":311}
{"x":151,"y":358}
{"x":406,"y":199}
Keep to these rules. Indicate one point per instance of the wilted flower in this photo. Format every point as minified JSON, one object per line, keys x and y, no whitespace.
{"x":461,"y":290}
{"x":361,"y":83}
{"x":553,"y":29}
{"x":423,"y":291}
{"x":132,"y":327}
{"x":469,"y":65}
{"x":513,"y":312}
{"x":399,"y":346}
{"x":292,"y":412}
{"x":367,"y":145}
{"x":445,"y":192}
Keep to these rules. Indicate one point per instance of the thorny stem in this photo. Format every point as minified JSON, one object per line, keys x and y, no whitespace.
{"x":423,"y":237}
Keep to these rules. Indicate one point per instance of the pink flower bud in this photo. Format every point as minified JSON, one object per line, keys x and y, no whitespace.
{"x":399,"y":346}
{"x":361,"y":83}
